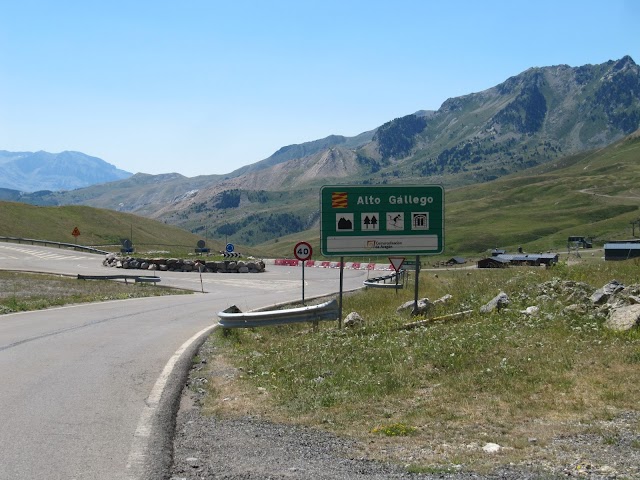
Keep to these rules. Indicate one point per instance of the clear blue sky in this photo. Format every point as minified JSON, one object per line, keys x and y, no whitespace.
{"x":204,"y":87}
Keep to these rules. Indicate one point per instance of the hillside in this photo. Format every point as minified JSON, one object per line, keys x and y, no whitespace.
{"x":592,"y":194}
{"x":98,"y":227}
{"x":533,"y":119}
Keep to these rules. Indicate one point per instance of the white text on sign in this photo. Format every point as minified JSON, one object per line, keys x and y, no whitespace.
{"x":395,"y":200}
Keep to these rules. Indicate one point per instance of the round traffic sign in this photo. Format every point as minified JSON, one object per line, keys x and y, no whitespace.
{"x":229,"y":247}
{"x":201,"y":244}
{"x":302,"y":251}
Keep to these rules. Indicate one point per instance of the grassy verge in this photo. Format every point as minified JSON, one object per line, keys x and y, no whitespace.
{"x":21,"y":292}
{"x":432,"y":396}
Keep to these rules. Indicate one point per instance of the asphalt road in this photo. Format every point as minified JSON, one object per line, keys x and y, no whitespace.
{"x":89,"y":391}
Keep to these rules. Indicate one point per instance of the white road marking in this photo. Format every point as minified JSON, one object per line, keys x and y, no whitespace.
{"x":140,"y":444}
{"x":40,"y":254}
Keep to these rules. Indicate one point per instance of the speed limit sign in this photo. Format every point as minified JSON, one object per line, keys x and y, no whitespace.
{"x":302,"y":251}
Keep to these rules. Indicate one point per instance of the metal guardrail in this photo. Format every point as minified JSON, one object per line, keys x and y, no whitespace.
{"x":232,"y":317}
{"x":46,"y":243}
{"x":381,"y":282}
{"x":135,"y":278}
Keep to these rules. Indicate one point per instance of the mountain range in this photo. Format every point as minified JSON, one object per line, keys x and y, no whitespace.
{"x":34,"y":171}
{"x":535,"y":118}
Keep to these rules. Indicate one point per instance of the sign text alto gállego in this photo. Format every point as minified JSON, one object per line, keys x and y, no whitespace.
{"x":395,"y":200}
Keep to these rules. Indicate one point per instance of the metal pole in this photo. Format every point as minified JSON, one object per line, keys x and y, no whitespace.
{"x":303,"y":262}
{"x":415,"y":293}
{"x":340,"y":302}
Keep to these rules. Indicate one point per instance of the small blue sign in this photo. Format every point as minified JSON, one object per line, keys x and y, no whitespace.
{"x":229,"y":247}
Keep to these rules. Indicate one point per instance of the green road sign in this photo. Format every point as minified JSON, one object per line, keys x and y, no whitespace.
{"x":381,"y":220}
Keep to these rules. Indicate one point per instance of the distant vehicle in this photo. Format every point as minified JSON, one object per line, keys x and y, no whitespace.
{"x":584,"y":242}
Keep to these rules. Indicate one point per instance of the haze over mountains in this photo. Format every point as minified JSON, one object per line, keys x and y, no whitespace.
{"x":534,"y":118}
{"x":33,"y":171}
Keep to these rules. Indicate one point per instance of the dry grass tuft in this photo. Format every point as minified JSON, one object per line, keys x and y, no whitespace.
{"x":516,"y":380}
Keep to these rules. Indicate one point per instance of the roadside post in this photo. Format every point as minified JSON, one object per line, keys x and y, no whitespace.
{"x":367,"y":220}
{"x":302,"y":251}
{"x":415,"y":291}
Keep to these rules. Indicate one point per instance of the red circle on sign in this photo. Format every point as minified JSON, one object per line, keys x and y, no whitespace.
{"x":302,"y":251}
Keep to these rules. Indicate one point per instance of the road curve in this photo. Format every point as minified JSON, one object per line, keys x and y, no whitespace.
{"x":89,"y":391}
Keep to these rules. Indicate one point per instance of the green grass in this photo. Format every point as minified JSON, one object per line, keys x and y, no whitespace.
{"x":21,"y":292}
{"x":98,"y":227}
{"x":501,"y":377}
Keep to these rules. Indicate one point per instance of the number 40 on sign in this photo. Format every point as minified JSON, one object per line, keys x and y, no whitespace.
{"x":303,"y":251}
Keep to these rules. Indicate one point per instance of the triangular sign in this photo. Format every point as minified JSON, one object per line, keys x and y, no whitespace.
{"x":396,"y":262}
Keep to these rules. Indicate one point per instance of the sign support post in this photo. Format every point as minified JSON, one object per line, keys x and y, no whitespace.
{"x":415,"y":292}
{"x":302,"y":251}
{"x":341,"y":283}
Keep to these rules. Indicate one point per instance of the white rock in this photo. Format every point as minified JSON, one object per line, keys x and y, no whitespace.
{"x":624,"y":318}
{"x":533,"y":310}
{"x":491,"y":448}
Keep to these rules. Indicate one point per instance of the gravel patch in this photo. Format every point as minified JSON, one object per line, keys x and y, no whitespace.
{"x":248,"y":448}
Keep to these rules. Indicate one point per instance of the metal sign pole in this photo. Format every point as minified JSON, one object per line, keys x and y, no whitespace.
{"x":415,"y":293}
{"x":341,"y":282}
{"x":303,"y":262}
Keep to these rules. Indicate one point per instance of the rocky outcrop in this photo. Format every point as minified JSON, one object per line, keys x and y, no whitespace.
{"x":616,"y":304}
{"x":181,"y":265}
{"x":354,"y":319}
{"x":423,"y":306}
{"x":623,"y":318}
{"x":498,"y":302}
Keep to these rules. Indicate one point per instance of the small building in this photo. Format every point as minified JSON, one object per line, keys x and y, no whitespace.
{"x":456,"y":261}
{"x":621,"y":251}
{"x":523,"y":259}
{"x":493,"y":262}
{"x":532,"y":259}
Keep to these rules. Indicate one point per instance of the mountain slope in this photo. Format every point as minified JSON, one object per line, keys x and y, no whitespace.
{"x":98,"y":227}
{"x":303,"y":150}
{"x":30,"y":172}
{"x":592,"y":194}
{"x":534,"y":118}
